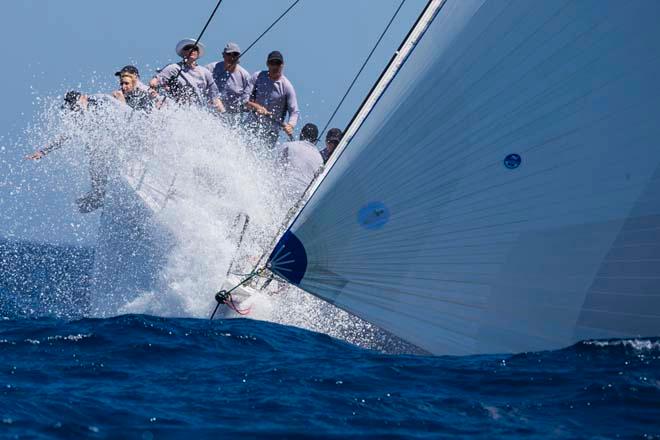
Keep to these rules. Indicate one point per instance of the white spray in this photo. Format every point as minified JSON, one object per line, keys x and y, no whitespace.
{"x":179,"y":180}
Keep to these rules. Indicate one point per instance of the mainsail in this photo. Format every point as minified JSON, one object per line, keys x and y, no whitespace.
{"x":499,"y":190}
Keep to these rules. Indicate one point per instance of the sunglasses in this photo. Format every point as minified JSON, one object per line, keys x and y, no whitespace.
{"x":191,"y":47}
{"x":232,"y":54}
{"x":275,"y":62}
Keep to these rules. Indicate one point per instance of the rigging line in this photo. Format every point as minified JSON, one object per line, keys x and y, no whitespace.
{"x":269,"y":28}
{"x":361,"y":69}
{"x":178,"y":74}
{"x":208,"y":21}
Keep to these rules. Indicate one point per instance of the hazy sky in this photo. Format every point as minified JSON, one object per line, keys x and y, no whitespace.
{"x":55,"y":45}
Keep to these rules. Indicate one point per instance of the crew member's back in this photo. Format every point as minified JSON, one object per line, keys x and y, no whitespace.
{"x":301,"y":160}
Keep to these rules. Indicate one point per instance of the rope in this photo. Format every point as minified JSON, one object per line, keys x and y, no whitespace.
{"x":232,"y":306}
{"x":269,"y":28}
{"x":361,"y":68}
{"x":224,"y":296}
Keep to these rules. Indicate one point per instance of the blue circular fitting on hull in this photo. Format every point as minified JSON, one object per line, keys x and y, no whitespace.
{"x":373,"y":215}
{"x":512,"y":161}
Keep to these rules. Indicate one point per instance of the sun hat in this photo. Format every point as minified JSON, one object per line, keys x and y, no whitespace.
{"x":189,"y":42}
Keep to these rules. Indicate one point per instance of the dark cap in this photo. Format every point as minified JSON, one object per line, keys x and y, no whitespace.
{"x":310,"y":132}
{"x":275,"y":55}
{"x":71,"y":100}
{"x":128,"y":69}
{"x":334,"y":134}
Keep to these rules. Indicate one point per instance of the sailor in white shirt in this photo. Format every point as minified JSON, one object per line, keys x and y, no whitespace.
{"x":301,"y":160}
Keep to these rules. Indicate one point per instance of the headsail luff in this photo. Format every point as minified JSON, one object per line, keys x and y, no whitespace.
{"x":500,"y":192}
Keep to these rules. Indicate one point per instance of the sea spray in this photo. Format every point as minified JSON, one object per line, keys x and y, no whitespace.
{"x":178,"y":180}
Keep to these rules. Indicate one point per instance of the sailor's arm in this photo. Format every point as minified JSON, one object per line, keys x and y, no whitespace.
{"x":252,"y":104}
{"x":247,"y":91}
{"x":55,"y":145}
{"x":161,"y":78}
{"x":217,"y":104}
{"x":119,"y":96}
{"x":154,"y":85}
{"x":257,"y":108}
{"x":214,"y":93}
{"x":292,"y":109}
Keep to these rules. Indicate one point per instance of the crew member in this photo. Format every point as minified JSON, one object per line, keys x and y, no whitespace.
{"x":272,"y":97}
{"x":301,"y":159}
{"x":132,"y":91}
{"x":75,"y":105}
{"x":187,"y":82}
{"x":232,"y":80}
{"x":332,"y":139}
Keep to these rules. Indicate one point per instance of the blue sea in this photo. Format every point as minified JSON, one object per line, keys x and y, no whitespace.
{"x":145,"y":377}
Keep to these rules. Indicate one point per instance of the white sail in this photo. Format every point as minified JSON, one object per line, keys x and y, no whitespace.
{"x":499,"y":191}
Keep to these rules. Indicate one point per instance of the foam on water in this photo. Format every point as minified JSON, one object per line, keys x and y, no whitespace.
{"x":640,"y":345}
{"x":201,"y":175}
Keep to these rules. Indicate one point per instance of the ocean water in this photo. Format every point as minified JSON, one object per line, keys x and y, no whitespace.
{"x":146,"y":377}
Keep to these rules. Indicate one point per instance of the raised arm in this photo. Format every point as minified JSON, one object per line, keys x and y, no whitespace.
{"x":55,"y":145}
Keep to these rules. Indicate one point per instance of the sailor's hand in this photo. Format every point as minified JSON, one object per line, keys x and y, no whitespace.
{"x":219,"y":107}
{"x":119,"y":96}
{"x":288,"y":129}
{"x":261,"y":110}
{"x":160,"y":103}
{"x":36,"y":155}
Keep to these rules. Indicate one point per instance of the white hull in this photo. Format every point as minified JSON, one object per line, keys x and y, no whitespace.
{"x":132,"y":244}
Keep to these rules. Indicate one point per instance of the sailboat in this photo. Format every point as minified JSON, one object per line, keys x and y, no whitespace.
{"x":498,"y":191}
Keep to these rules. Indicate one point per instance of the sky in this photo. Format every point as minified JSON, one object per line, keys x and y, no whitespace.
{"x":52,"y":46}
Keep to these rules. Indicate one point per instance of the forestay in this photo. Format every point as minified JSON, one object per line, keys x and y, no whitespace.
{"x":500,"y":189}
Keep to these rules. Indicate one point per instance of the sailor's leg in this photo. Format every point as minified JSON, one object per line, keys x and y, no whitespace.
{"x":98,"y":173}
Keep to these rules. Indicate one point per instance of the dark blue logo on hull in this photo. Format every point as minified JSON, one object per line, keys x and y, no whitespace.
{"x":289,"y":259}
